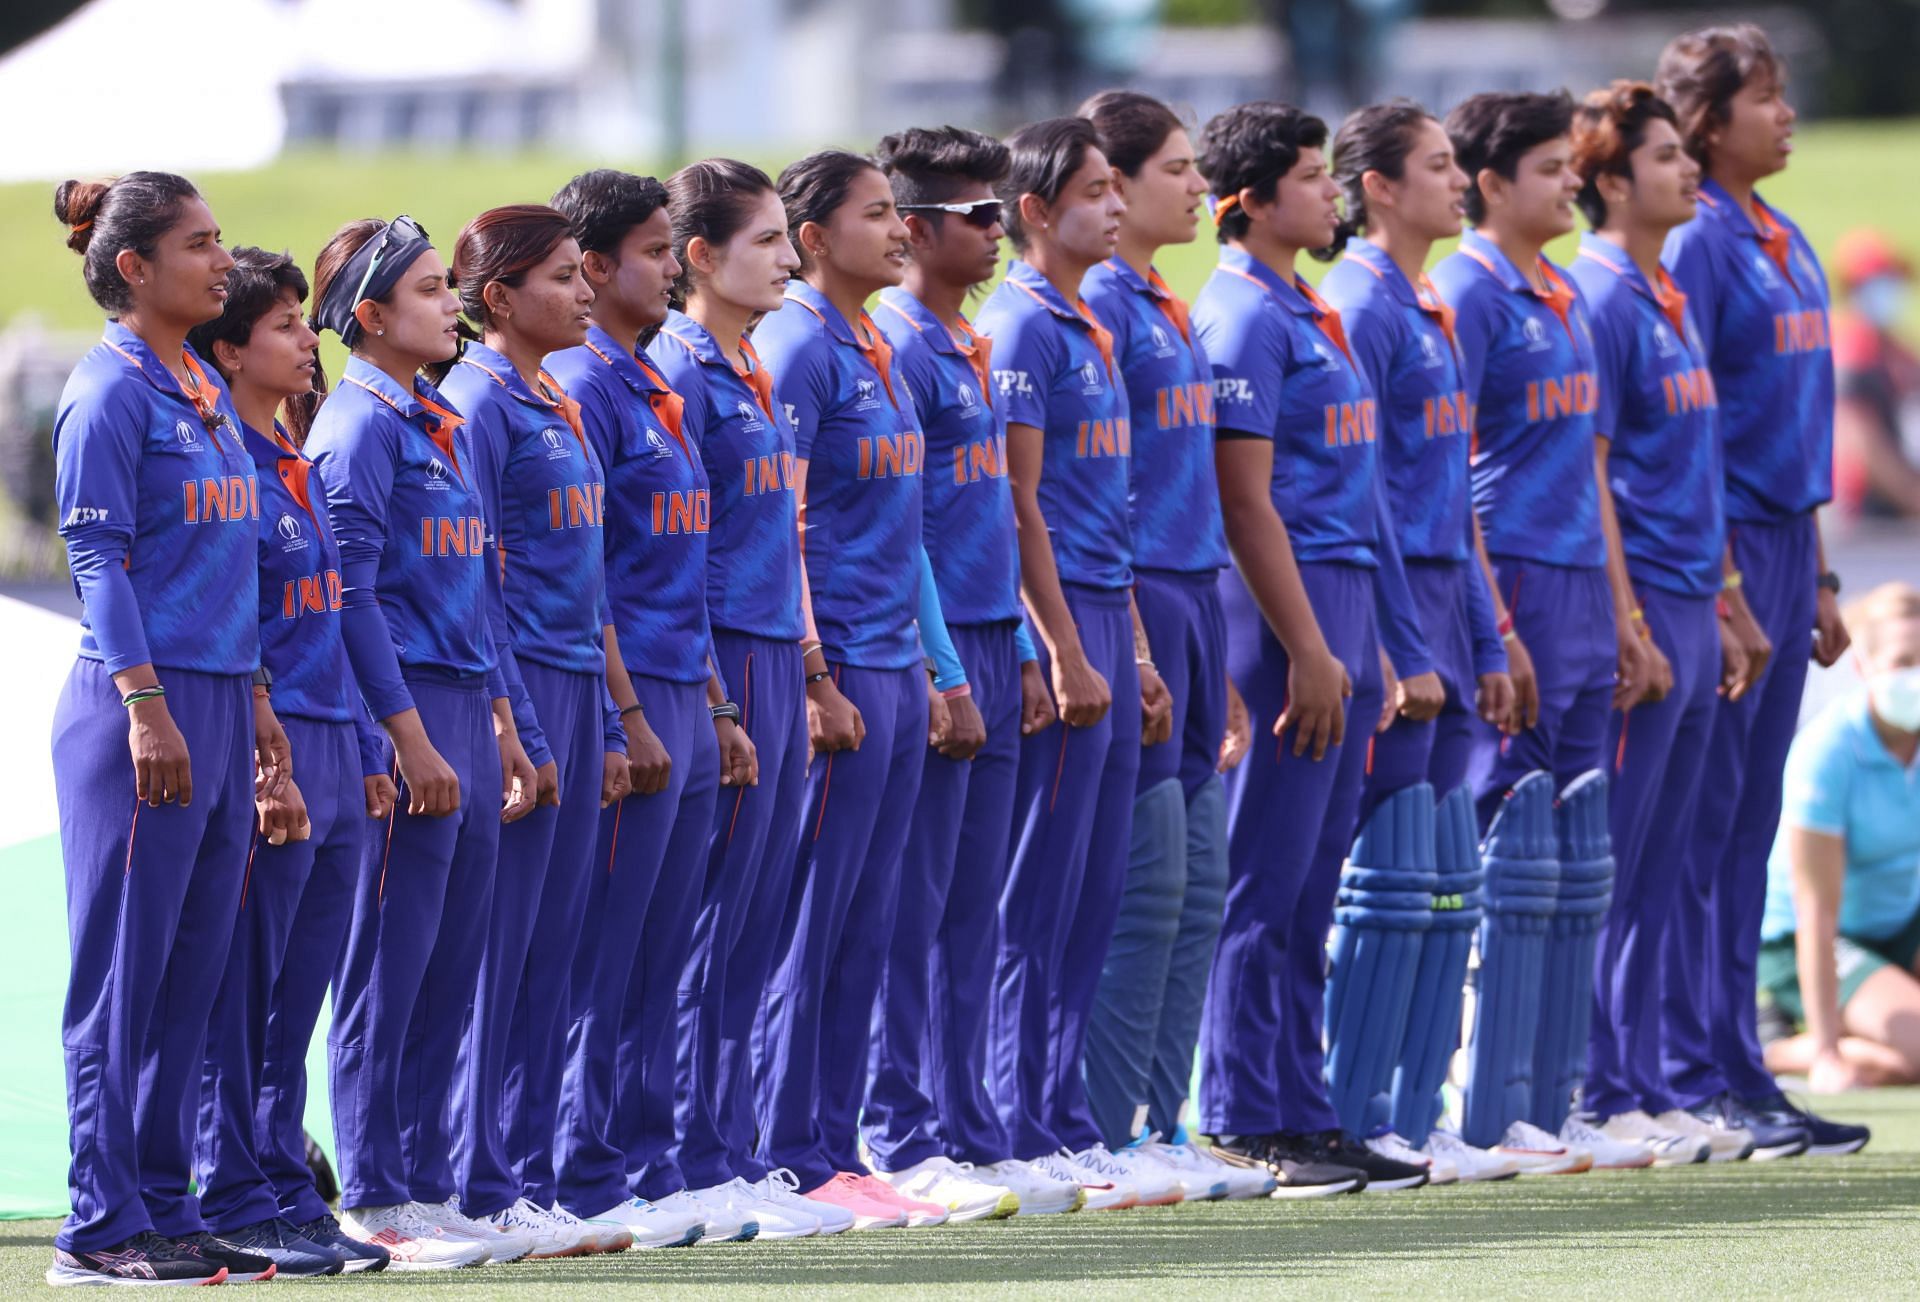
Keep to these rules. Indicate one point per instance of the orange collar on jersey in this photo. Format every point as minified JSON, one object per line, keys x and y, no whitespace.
{"x":1774,"y":238}
{"x":441,"y":421}
{"x":867,"y":338}
{"x":1667,"y":295}
{"x":200,"y":389}
{"x":756,"y":377}
{"x":295,"y":470}
{"x":968,"y":342}
{"x":1171,"y":305}
{"x":1102,"y":337}
{"x":1558,"y":294}
{"x":1326,"y":317}
{"x":545,"y":390}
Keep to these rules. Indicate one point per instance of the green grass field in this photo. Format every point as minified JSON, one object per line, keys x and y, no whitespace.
{"x":1811,"y":1227}
{"x":1843,"y":175}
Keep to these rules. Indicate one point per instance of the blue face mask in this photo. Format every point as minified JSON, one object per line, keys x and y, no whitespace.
{"x":1882,"y":300}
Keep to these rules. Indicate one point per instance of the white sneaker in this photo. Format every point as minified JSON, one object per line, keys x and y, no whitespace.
{"x":965,"y":1193}
{"x":599,"y":1236}
{"x":412,"y":1241}
{"x":657,"y":1225}
{"x":551,"y":1236}
{"x":1731,"y":1144}
{"x":781,"y":1188}
{"x":1664,"y":1147}
{"x":1538,"y":1153}
{"x":1254,"y":1181}
{"x":1105,"y":1180}
{"x":1615,"y":1147}
{"x":1389,"y":1145}
{"x":776,"y":1221}
{"x":726,"y":1221}
{"x":1157,"y":1183}
{"x":1470,"y":1164}
{"x":1202,"y":1177}
{"x":503,"y":1244}
{"x":1041,"y":1192}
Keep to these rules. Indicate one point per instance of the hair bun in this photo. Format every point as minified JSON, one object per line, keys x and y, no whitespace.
{"x":75,"y":203}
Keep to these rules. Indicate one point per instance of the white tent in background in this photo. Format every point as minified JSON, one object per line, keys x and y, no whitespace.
{"x":189,"y":85}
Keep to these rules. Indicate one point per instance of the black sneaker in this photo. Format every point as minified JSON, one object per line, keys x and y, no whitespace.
{"x":357,"y":1254}
{"x":146,"y":1258}
{"x":1305,"y":1171}
{"x":291,"y":1253}
{"x":242,"y":1267}
{"x":1826,"y":1138}
{"x":1383,"y":1174}
{"x":1770,"y":1139}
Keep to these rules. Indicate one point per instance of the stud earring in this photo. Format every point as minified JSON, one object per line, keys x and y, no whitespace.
{"x":380,"y":333}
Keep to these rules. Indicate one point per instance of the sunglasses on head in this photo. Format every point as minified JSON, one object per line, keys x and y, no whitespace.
{"x":982,"y":213}
{"x":400,"y":232}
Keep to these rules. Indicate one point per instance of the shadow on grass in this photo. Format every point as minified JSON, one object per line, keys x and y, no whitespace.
{"x":1593,"y":1214}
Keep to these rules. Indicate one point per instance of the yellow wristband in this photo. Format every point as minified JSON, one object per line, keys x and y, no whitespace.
{"x":1637,"y":615}
{"x":1731,"y":580}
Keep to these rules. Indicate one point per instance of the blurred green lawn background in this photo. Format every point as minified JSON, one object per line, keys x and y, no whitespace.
{"x":1843,"y":175}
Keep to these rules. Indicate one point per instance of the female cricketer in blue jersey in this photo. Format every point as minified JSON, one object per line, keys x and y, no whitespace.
{"x":257,"y":1193}
{"x":927,"y":1118}
{"x":1760,"y":301}
{"x":1146,"y":1018}
{"x":158,"y":504}
{"x":858,"y":457}
{"x":1403,"y":192}
{"x":415,"y":552}
{"x":683,"y":742}
{"x":1068,"y":450}
{"x":1298,"y":424}
{"x":730,"y":238}
{"x":517,"y":271}
{"x":1655,"y":419}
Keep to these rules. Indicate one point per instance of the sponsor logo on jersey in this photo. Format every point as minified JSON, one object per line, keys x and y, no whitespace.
{"x":967,"y":399}
{"x":1091,"y":375}
{"x":749,"y":414}
{"x":1162,"y":342}
{"x":1535,"y":333}
{"x":437,"y":475}
{"x":658,"y":446}
{"x":189,"y":436}
{"x":1014,"y":383}
{"x":1429,"y":352}
{"x":1228,"y":388}
{"x":86,"y":515}
{"x":557,"y":449}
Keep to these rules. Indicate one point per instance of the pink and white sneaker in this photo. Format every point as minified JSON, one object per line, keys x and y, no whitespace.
{"x":920,"y":1215}
{"x":849,"y":1191}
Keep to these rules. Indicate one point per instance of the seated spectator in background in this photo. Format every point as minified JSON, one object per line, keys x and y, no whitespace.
{"x":1841,"y":951}
{"x":1876,"y":431}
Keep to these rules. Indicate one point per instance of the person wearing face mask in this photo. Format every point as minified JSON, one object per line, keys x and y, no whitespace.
{"x":1069,"y":444}
{"x":1146,"y":1018}
{"x":1759,"y":298}
{"x":1403,"y":192}
{"x":1296,"y":457}
{"x":858,"y":458}
{"x":1655,"y":423}
{"x":1876,"y":427}
{"x":1841,"y":948}
{"x":517,"y":271}
{"x":417,"y":567}
{"x":1546,"y":512}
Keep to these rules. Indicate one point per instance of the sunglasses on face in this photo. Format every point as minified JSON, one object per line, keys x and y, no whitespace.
{"x":981,"y":213}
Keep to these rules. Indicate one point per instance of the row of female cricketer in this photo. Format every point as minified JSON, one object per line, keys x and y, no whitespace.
{"x":856,"y":684}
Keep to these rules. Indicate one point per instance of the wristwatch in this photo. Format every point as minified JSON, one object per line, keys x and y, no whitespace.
{"x":724,"y":710}
{"x":1830,"y":581}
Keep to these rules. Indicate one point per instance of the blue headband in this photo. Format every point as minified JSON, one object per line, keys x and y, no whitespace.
{"x":371,"y":273}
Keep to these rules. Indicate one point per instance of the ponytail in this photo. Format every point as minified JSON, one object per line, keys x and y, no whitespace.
{"x":105,"y":219}
{"x":1377,"y":138}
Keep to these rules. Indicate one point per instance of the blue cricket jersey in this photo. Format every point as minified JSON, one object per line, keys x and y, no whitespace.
{"x":407,"y":514}
{"x":1760,"y":301}
{"x":745,"y":442}
{"x":968,"y":507}
{"x":301,"y":588}
{"x":1529,"y":371}
{"x":1175,"y":496}
{"x":1282,"y":371}
{"x":855,"y":425}
{"x":659,"y":511}
{"x":159,"y":506}
{"x":1658,"y":411}
{"x":1055,"y":368}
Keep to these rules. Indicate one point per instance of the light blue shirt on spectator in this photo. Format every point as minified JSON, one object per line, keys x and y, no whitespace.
{"x":1841,"y":780}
